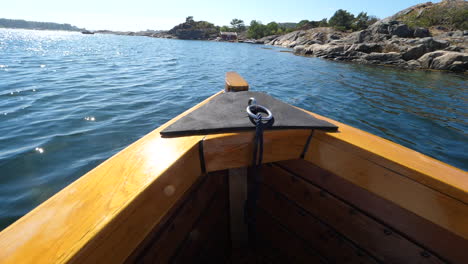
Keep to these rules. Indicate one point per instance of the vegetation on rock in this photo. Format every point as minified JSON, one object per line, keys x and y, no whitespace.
{"x":343,"y":20}
{"x":451,"y":14}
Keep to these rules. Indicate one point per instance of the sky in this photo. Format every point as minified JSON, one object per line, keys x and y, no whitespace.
{"x":135,"y":15}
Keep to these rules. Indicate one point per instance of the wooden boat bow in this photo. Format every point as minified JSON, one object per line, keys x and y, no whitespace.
{"x":105,"y":215}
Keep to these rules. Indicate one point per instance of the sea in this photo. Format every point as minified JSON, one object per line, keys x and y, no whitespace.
{"x":69,"y":101}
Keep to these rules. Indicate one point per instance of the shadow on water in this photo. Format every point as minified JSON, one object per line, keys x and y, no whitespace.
{"x":68,"y":102}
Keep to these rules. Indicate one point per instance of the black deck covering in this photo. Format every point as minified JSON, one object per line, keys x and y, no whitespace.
{"x":227,"y":113}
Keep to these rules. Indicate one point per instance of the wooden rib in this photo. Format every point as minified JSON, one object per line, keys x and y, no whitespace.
{"x":234,"y":150}
{"x":430,"y":235}
{"x":407,"y":193}
{"x":105,"y":214}
{"x":325,"y":240}
{"x":164,"y":243}
{"x":235,"y":82}
{"x":372,"y":236}
{"x":269,"y":231}
{"x":406,"y":162}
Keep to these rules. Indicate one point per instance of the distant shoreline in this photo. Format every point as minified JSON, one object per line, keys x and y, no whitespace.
{"x":35,"y":25}
{"x":38,"y":29}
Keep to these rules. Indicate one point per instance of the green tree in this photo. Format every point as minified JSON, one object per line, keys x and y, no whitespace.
{"x":271,"y":28}
{"x":256,"y":30}
{"x":225,"y":29}
{"x":302,"y":23}
{"x":341,"y":20}
{"x":237,"y":25}
{"x":189,"y":20}
{"x":323,"y":23}
{"x":361,"y":21}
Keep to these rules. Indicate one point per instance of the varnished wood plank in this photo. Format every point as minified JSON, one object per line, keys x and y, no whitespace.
{"x":325,"y":240}
{"x":237,"y":198}
{"x":408,"y":163}
{"x":407,"y":193}
{"x":372,"y":236}
{"x":235,"y":82}
{"x":211,"y":227}
{"x":234,"y":150}
{"x":213,"y":230}
{"x":105,"y":214}
{"x":165,"y":245}
{"x":430,"y":235}
{"x":200,"y":185}
{"x":215,"y":250}
{"x":269,"y":231}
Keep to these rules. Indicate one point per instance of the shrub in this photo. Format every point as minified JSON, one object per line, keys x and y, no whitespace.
{"x":342,"y":19}
{"x":450,"y":16}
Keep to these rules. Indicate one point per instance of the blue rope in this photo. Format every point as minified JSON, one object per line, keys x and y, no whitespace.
{"x":253,"y":193}
{"x":258,"y":142}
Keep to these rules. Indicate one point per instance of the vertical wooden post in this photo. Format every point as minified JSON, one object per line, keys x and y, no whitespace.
{"x":235,"y":83}
{"x":237,"y":186}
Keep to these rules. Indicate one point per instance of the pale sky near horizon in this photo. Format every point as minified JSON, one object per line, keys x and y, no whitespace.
{"x":137,"y":15}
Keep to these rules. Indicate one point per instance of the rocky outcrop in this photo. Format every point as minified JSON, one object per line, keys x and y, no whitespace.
{"x":265,"y":39}
{"x":387,"y":42}
{"x":421,"y":32}
{"x":445,"y":60}
{"x":304,"y":37}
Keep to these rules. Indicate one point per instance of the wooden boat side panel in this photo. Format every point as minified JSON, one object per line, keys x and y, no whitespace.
{"x":104,"y":215}
{"x":422,"y":200}
{"x":329,"y":243}
{"x":404,"y":161}
{"x":209,"y":241}
{"x":161,"y":244}
{"x":418,"y":229}
{"x":373,"y":236}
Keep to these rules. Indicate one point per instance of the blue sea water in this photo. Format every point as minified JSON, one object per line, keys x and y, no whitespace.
{"x":69,"y":101}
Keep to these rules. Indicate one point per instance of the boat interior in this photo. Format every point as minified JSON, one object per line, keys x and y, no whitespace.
{"x":321,"y":197}
{"x":304,"y":214}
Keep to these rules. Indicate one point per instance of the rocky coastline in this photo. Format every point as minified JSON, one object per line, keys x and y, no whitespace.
{"x":387,"y":42}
